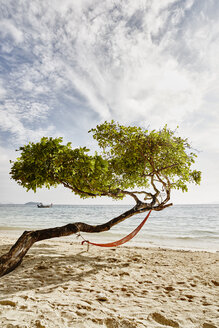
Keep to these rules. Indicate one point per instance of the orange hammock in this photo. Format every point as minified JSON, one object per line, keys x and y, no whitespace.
{"x":123,"y":240}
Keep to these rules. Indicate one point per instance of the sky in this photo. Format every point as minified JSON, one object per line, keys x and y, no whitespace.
{"x":66,"y":66}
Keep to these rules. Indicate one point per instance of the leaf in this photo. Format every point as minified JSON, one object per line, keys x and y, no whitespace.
{"x":129,"y":156}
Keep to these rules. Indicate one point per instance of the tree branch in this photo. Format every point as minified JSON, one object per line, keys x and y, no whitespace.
{"x":12,"y":259}
{"x":166,"y":186}
{"x":132,"y":194}
{"x":159,"y":170}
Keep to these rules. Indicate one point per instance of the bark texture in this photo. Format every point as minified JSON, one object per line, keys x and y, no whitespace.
{"x":14,"y":257}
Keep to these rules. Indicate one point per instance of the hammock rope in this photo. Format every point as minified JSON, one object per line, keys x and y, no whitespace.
{"x":121,"y":241}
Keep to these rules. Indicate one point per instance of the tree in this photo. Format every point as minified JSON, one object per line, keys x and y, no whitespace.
{"x":145,"y":165}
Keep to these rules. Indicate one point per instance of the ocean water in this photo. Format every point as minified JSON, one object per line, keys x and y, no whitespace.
{"x":194,"y":227}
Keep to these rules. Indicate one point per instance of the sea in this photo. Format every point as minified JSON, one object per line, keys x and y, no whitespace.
{"x":187,"y":227}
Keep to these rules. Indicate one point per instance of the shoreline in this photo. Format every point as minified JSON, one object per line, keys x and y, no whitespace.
{"x":15,"y":232}
{"x":190,"y":228}
{"x":60,"y":284}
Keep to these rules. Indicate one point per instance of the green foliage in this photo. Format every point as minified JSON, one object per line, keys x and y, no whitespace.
{"x":135,"y":153}
{"x":130,"y":158}
{"x":49,"y":163}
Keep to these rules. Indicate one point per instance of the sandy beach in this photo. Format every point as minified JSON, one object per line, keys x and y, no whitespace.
{"x":60,"y":284}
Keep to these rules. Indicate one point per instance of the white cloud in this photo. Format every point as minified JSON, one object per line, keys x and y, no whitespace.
{"x":142,"y":62}
{"x":2,"y":91}
{"x":7,"y":28}
{"x":123,"y":58}
{"x":14,"y":119}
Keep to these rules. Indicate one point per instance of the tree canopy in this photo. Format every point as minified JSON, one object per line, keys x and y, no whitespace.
{"x":132,"y":161}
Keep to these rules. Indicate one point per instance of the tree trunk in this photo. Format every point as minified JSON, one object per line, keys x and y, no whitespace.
{"x":12,"y":259}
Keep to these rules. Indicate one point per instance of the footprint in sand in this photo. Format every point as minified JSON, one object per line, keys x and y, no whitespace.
{"x":216,"y":283}
{"x":169,"y":288}
{"x":8,"y":302}
{"x":121,"y":323}
{"x":38,"y":324}
{"x":208,"y":325}
{"x":159,"y":318}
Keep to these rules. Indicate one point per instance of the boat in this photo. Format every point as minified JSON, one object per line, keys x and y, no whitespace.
{"x":40,"y":205}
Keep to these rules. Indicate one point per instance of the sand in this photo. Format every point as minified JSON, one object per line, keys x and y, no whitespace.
{"x":60,"y":284}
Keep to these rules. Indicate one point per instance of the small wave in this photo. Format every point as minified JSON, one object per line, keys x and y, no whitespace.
{"x":197,"y":238}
